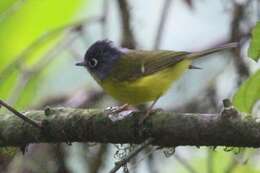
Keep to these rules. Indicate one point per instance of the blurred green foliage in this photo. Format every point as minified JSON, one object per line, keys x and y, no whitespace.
{"x":248,"y":94}
{"x":223,"y":161}
{"x":254,"y":48}
{"x":23,"y":26}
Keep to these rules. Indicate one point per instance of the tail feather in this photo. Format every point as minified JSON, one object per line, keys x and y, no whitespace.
{"x":195,"y":55}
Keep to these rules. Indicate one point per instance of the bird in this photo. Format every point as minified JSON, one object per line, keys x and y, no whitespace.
{"x":138,"y":76}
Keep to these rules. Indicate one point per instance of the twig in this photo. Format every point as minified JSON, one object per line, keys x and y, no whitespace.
{"x":128,"y":39}
{"x":164,"y":15}
{"x":20,"y":115}
{"x":124,"y":161}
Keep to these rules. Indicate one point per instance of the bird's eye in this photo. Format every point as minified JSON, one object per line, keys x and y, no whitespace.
{"x":93,"y":62}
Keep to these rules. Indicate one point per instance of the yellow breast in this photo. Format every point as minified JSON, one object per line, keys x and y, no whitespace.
{"x":147,"y":88}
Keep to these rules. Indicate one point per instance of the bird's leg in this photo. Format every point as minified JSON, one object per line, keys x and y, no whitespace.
{"x":119,"y":112}
{"x":148,"y":111}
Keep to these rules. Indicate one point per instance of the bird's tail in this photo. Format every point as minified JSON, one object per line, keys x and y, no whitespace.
{"x":195,"y":55}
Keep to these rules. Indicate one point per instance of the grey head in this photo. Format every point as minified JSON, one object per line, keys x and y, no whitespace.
{"x":100,"y":58}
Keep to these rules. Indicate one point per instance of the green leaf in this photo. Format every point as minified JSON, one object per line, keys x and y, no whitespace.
{"x":31,"y":20}
{"x":254,"y":48}
{"x":220,"y":162}
{"x":248,"y":94}
{"x":23,"y":27}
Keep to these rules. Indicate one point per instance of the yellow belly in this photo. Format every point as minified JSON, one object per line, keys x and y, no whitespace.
{"x":147,"y":88}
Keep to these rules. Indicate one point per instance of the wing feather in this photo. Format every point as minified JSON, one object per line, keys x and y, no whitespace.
{"x":138,"y":63}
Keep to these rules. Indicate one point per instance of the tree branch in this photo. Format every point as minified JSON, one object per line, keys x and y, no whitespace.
{"x":168,"y":128}
{"x":238,"y":15}
{"x":164,"y":17}
{"x":128,"y":39}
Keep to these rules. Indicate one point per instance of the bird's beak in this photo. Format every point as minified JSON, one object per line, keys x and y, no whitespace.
{"x":80,"y":64}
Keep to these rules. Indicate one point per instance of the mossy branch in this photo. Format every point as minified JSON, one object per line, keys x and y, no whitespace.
{"x":168,"y":128}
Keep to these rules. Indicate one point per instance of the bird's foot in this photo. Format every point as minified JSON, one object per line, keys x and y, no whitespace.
{"x":118,"y":113}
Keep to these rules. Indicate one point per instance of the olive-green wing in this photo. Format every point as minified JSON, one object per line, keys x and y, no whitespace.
{"x":138,"y":63}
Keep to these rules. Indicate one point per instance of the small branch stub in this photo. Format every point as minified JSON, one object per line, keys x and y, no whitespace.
{"x":227,"y":103}
{"x":229,"y":110}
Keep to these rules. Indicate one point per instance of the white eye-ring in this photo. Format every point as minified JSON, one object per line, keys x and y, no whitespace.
{"x":93,"y":62}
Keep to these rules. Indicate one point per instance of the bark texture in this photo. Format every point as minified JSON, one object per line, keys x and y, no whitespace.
{"x":167,"y":128}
